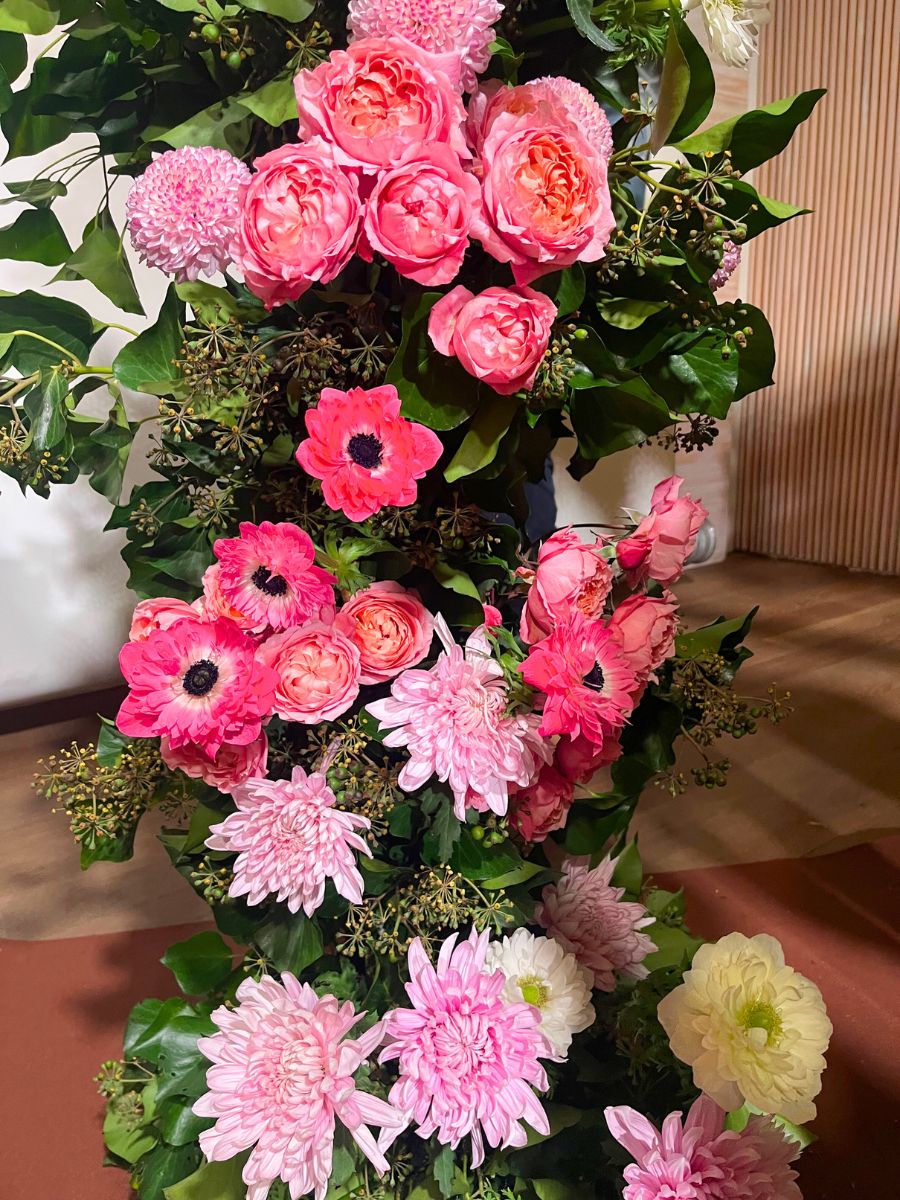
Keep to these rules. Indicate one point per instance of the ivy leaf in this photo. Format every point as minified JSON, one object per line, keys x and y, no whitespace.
{"x":200,"y":964}
{"x":123,"y":1140}
{"x":212,"y":1181}
{"x":444,"y":831}
{"x":755,"y":137}
{"x":434,"y":390}
{"x":275,"y":102}
{"x":28,"y":16}
{"x":102,"y":450}
{"x":178,"y":1124}
{"x":625,"y":312}
{"x":712,"y":639}
{"x":607,"y":419}
{"x":580,"y":11}
{"x":291,"y":942}
{"x":45,"y":406}
{"x":675,"y":947}
{"x":59,"y":320}
{"x":100,"y":259}
{"x":182,"y":1066}
{"x":13,"y":58}
{"x":147,"y":1023}
{"x":687,"y":88}
{"x":38,"y":192}
{"x":478,"y":861}
{"x":288,"y":10}
{"x":483,"y":437}
{"x":111,"y":744}
{"x":164,"y":1166}
{"x":628,"y":871}
{"x":225,"y":125}
{"x":25,"y":130}
{"x":444,"y":1168}
{"x":700,"y":378}
{"x":218,"y":306}
{"x":35,"y":236}
{"x":149,"y":358}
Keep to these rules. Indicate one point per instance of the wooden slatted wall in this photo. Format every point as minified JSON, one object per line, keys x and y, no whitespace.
{"x":819,"y":460}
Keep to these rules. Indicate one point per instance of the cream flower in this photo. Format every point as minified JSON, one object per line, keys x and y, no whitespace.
{"x":540,"y":972}
{"x":733,"y":27}
{"x":752,"y":1028}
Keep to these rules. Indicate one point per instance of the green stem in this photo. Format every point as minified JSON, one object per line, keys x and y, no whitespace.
{"x":124,"y":328}
{"x":39,"y":337}
{"x":559,"y":23}
{"x":21,"y":385}
{"x":90,"y":370}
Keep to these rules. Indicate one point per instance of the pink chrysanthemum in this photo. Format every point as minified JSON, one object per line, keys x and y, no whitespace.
{"x":584,"y":675}
{"x":468,"y":1057}
{"x":582,"y":109}
{"x":453,"y":719}
{"x":366,"y":455}
{"x":282,"y":1076}
{"x":731,"y":260}
{"x":589,"y":918}
{"x":183,"y":211}
{"x":196,"y":682}
{"x":289,"y":839}
{"x":701,"y":1160}
{"x":463,"y":28}
{"x":269,"y":576}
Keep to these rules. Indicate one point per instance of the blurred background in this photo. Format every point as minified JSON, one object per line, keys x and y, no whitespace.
{"x":803,"y":489}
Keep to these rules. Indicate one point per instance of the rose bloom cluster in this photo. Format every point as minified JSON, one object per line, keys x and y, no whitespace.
{"x":390,"y":162}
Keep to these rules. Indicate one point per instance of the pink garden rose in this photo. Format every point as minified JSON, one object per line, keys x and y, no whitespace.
{"x":378,"y":98}
{"x":499,"y":336}
{"x":299,"y":222}
{"x":419,"y":214}
{"x":391,"y":628}
{"x":232,"y":765}
{"x":157,"y":613}
{"x":543,"y":807}
{"x":579,"y":759}
{"x":546,"y":197}
{"x":665,"y":538}
{"x":551,"y":98}
{"x":645,"y":628}
{"x":570,"y":575}
{"x":318,"y":672}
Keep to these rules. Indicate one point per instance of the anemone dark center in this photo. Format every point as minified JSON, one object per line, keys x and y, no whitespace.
{"x":366,"y":450}
{"x":595,"y":678}
{"x":200,"y":678}
{"x":272,"y":585}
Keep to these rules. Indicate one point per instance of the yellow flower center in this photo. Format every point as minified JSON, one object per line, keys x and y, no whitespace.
{"x":534,"y":991}
{"x":760,"y":1014}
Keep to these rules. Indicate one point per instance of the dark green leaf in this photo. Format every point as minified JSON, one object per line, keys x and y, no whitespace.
{"x":712,"y":639}
{"x":478,"y":861}
{"x":275,"y":102}
{"x":178,"y":1124}
{"x":150,"y":358}
{"x":147,"y":1023}
{"x":756,"y":360}
{"x":35,"y":236}
{"x":486,"y":430}
{"x":182,"y":1066}
{"x":109,"y":849}
{"x":607,"y":419}
{"x":580,"y":11}
{"x":571,"y":290}
{"x":701,"y":378}
{"x":443,"y":1168}
{"x":627,"y":313}
{"x":55,"y":319}
{"x":38,"y":192}
{"x":164,"y":1166}
{"x":13,"y":56}
{"x":218,"y":306}
{"x":110,"y":744}
{"x":25,"y":131}
{"x":687,"y":87}
{"x":443,"y":832}
{"x":101,"y":260}
{"x":200,"y":964}
{"x":435,"y":390}
{"x":102,"y":449}
{"x":225,"y":125}
{"x":755,"y":137}
{"x":290,"y":942}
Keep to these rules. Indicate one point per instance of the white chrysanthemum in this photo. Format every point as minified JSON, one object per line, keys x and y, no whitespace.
{"x":463,"y":28}
{"x":733,"y":26}
{"x":752,"y":1028}
{"x":541,"y":973}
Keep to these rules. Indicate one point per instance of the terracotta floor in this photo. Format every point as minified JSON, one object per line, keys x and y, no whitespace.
{"x":796,"y":846}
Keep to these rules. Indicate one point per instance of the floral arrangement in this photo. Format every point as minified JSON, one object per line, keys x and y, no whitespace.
{"x":398,"y":727}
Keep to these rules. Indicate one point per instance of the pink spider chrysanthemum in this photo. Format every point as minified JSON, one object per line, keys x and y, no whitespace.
{"x":290,"y":839}
{"x":197,"y":682}
{"x":468,"y":1058}
{"x":366,"y":455}
{"x":268,"y":574}
{"x":453,"y":719}
{"x":588,"y":685}
{"x":581,"y":108}
{"x":589,"y":918}
{"x":282,"y":1076}
{"x":462,"y":28}
{"x":183,"y":211}
{"x":700,"y":1159}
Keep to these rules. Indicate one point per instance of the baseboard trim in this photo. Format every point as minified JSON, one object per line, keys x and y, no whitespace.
{"x":103,"y":701}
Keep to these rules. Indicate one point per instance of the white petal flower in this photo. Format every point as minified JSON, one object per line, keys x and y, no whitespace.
{"x":540,"y":972}
{"x":733,"y":26}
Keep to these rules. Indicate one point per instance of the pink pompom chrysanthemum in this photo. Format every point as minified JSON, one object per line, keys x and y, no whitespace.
{"x":366,"y":455}
{"x":468,"y":1058}
{"x":731,"y":260}
{"x":581,"y":108}
{"x":183,"y":211}
{"x":700,"y":1159}
{"x":282,"y":1076}
{"x":462,"y":28}
{"x":453,"y":719}
{"x":196,"y":682}
{"x":588,"y":686}
{"x":290,"y":839}
{"x":589,"y":918}
{"x":268,"y":574}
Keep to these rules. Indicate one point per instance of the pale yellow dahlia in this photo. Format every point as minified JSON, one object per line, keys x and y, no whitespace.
{"x":752,"y":1028}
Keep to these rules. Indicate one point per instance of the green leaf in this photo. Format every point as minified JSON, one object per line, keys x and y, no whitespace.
{"x":146,"y":1023}
{"x":218,"y":306}
{"x":675,"y":947}
{"x":627,"y":313}
{"x":35,"y":236}
{"x":288,"y":10}
{"x":443,"y":832}
{"x":628,"y":871}
{"x":225,"y":125}
{"x":580,"y":11}
{"x":111,"y":744}
{"x":607,"y":419}
{"x":200,"y":964}
{"x":123,"y":1140}
{"x":756,"y":360}
{"x":454,"y":579}
{"x":212,"y":1181}
{"x":38,"y":192}
{"x":178,"y":1124}
{"x":478,"y":861}
{"x":25,"y":130}
{"x":479,"y":447}
{"x":560,"y":1116}
{"x":13,"y":57}
{"x":182,"y":1065}
{"x":712,"y":639}
{"x":164,"y":1166}
{"x":28,"y":16}
{"x":755,"y":137}
{"x":700,"y":379}
{"x":291,"y":943}
{"x":110,"y":849}
{"x":45,"y":406}
{"x":687,"y":87}
{"x":444,"y":1167}
{"x":435,"y":390}
{"x":150,"y":357}
{"x":101,"y":260}
{"x":58,"y":320}
{"x":275,"y":102}
{"x":520,"y":874}
{"x":555,"y":1189}
{"x":101,"y":449}
{"x":571,"y":290}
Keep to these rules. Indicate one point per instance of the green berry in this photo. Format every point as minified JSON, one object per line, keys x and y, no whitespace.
{"x":211,"y":32}
{"x":478,"y":833}
{"x":234,"y":60}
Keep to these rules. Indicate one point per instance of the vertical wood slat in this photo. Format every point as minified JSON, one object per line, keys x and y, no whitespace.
{"x":819,"y":454}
